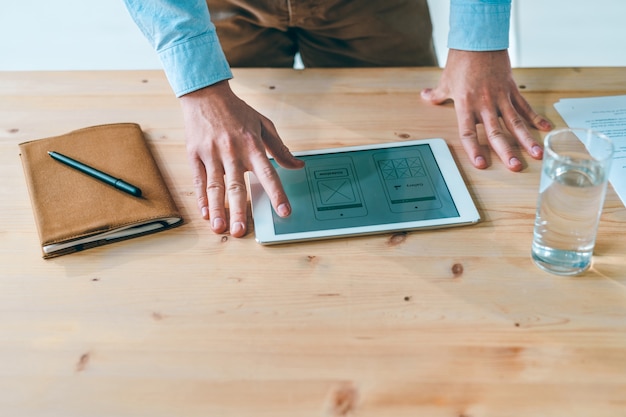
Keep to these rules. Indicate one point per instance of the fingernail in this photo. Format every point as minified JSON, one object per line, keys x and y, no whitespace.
{"x":426,"y":92}
{"x":479,"y":161}
{"x":514,"y":162}
{"x":237,"y":229}
{"x":536,"y":151}
{"x":204,"y":212}
{"x":546,"y":124}
{"x":218,"y":223}
{"x":283,"y":210}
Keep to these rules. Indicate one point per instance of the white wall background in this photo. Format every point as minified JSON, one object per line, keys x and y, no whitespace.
{"x":555,"y":33}
{"x":99,"y":34}
{"x":71,"y":34}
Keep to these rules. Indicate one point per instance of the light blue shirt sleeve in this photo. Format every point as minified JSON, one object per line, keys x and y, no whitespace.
{"x":185,"y":39}
{"x":479,"y":25}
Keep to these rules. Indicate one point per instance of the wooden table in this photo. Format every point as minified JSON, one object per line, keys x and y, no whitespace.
{"x":451,"y":322}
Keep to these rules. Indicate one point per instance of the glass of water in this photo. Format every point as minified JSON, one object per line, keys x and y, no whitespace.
{"x":574,"y":176}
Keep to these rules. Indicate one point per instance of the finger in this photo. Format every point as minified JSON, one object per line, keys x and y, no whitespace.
{"x":276,"y":147}
{"x":199,"y":186}
{"x":216,"y":194}
{"x":518,"y":128}
{"x":435,"y":95}
{"x":469,"y":136}
{"x":526,"y":111}
{"x":237,"y":200}
{"x":270,"y":181}
{"x":499,"y":141}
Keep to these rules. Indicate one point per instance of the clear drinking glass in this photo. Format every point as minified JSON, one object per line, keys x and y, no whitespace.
{"x":574,"y":176}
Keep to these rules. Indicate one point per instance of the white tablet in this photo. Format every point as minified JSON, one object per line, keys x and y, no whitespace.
{"x":364,"y":190}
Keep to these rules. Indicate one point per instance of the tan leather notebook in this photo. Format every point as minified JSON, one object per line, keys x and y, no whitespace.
{"x":75,"y":211}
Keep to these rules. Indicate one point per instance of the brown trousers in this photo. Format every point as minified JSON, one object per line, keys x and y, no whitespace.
{"x":326,"y":33}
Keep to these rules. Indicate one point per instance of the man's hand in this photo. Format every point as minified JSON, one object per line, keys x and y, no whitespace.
{"x":483,"y":90}
{"x":226,"y":138}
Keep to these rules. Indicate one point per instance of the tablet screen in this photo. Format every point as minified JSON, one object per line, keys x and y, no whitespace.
{"x":360,"y":188}
{"x":364,"y":189}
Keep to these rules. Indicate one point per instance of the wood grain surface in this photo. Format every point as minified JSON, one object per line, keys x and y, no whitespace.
{"x":453,"y":322}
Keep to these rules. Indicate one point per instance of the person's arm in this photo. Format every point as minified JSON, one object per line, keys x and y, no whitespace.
{"x":225,"y":137}
{"x":184,"y":38}
{"x":478,"y":78}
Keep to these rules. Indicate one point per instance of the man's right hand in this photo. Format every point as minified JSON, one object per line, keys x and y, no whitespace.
{"x":225,"y":138}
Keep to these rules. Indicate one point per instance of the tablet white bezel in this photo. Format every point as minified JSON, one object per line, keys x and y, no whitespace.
{"x":468,"y":214}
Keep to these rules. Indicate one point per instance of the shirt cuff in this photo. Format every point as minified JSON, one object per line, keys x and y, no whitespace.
{"x":195,"y":63}
{"x":479,"y":26}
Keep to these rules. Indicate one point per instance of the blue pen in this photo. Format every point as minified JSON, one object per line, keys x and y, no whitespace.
{"x":99,"y":175}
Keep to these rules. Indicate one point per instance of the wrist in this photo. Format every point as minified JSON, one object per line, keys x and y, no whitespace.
{"x":218,"y":88}
{"x":211,"y":95}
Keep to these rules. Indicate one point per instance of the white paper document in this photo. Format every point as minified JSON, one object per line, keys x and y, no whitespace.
{"x":606,"y":115}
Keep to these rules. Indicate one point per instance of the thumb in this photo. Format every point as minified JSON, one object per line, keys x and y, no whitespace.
{"x":284,"y":157}
{"x":277,"y":148}
{"x":435,"y":95}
